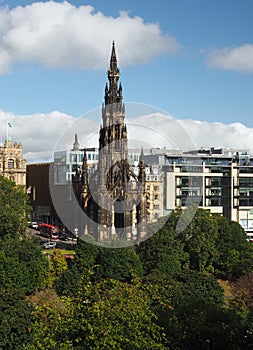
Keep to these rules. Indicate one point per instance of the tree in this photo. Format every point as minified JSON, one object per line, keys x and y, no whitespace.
{"x":13,"y":208}
{"x":245,"y":249}
{"x":22,"y":266}
{"x":235,"y":253}
{"x":248,"y":335}
{"x":85,"y":254}
{"x":199,"y":240}
{"x":243,"y":287}
{"x":115,"y":315}
{"x":106,"y":315}
{"x":15,"y":320}
{"x":163,"y":251}
{"x":199,"y":285}
{"x":84,"y":261}
{"x":50,"y":320}
{"x":197,"y":324}
{"x":59,"y":263}
{"x":117,"y":263}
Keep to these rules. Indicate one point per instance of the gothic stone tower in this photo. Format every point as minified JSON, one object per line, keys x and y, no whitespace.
{"x":113,"y":198}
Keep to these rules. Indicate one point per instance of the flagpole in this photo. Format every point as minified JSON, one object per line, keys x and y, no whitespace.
{"x":7,"y":132}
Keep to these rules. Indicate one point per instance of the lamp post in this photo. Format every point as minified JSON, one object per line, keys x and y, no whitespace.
{"x":76,"y":232}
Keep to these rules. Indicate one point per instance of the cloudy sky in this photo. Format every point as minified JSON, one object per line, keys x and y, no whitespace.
{"x":193,"y":60}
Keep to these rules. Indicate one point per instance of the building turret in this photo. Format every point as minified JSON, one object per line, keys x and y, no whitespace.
{"x":142,"y":174}
{"x":76,"y":145}
{"x":113,"y":94}
{"x":84,"y":176}
{"x":141,"y":208}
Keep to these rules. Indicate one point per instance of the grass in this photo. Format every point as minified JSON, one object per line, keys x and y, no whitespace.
{"x":63,"y":251}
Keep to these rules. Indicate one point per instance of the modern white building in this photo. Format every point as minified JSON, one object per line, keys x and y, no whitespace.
{"x":68,"y":161}
{"x":220,"y":180}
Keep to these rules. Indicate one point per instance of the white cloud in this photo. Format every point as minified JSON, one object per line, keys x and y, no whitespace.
{"x":37,"y":133}
{"x":235,"y":135}
{"x":239,"y":59}
{"x":60,"y":35}
{"x":42,"y":134}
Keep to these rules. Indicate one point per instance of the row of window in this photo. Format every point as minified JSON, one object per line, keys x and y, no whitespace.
{"x":11,"y":164}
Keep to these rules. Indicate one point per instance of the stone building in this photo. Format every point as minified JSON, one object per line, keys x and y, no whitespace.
{"x":154,"y":189}
{"x":12,"y":162}
{"x":113,"y":197}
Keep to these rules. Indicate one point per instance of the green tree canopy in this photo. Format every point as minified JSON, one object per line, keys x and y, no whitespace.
{"x":117,"y":263}
{"x":235,"y":253}
{"x":15,"y":320}
{"x":115,"y":315}
{"x":163,"y":251}
{"x":84,"y":261}
{"x":197,"y":324}
{"x":13,"y":208}
{"x":107,"y":315}
{"x":22,"y":265}
{"x":58,"y":263}
{"x":199,"y":240}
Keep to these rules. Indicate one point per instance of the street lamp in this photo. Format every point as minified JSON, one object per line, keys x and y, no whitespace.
{"x":76,"y":232}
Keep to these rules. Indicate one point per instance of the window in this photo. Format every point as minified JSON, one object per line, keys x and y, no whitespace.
{"x":11,"y":164}
{"x":216,"y":181}
{"x":73,"y":158}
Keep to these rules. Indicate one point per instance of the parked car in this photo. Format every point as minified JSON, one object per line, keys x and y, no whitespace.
{"x":49,"y":245}
{"x":33,"y":225}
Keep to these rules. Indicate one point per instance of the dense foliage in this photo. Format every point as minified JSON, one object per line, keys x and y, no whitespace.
{"x":13,"y":208}
{"x":23,"y":269}
{"x":180,"y":289}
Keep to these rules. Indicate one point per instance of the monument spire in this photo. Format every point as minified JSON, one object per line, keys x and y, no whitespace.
{"x":113,"y":61}
{"x":113,"y":94}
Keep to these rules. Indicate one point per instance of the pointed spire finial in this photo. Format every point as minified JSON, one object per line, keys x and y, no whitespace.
{"x":76,"y":143}
{"x":142,"y":175}
{"x":112,"y":94}
{"x":120,"y":89}
{"x":113,"y":61}
{"x":84,"y":177}
{"x":141,"y":157}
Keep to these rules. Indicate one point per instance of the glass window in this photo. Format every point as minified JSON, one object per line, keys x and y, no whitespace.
{"x":246,"y":182}
{"x":215,"y":181}
{"x":73,"y":158}
{"x":10,"y":163}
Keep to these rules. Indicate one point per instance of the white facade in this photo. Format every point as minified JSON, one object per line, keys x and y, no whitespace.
{"x":220,"y":180}
{"x":66,"y":163}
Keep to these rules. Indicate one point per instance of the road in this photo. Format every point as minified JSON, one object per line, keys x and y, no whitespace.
{"x":68,"y":245}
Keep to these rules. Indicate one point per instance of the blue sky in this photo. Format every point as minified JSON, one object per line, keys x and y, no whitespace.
{"x":181,"y":83}
{"x":193,"y":59}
